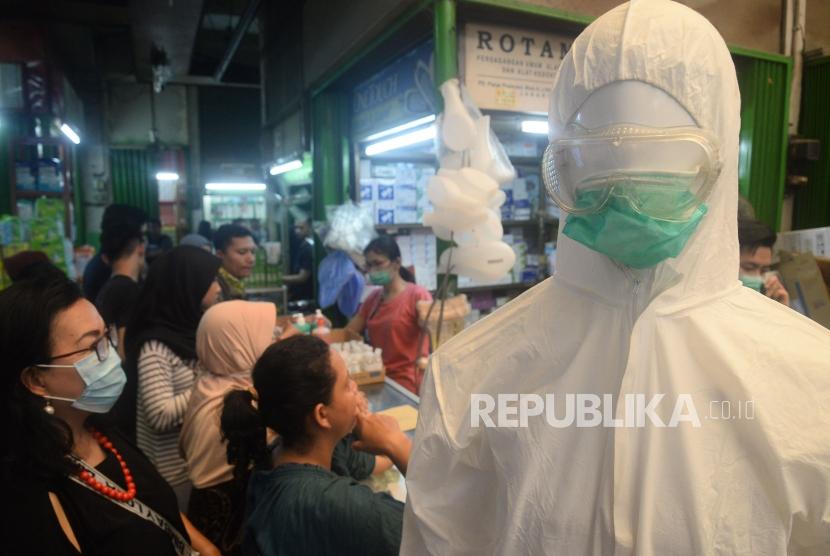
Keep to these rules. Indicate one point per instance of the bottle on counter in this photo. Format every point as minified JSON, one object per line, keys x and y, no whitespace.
{"x":301,"y":324}
{"x":321,"y":329}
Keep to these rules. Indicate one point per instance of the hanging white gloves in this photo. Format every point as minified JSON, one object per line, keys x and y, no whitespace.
{"x":467,"y":197}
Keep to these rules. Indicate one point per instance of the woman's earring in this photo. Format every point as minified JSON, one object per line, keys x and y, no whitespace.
{"x":49,"y":409}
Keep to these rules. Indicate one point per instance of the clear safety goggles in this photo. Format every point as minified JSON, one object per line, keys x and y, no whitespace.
{"x":664,"y":173}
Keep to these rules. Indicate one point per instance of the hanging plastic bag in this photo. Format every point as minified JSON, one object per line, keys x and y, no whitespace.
{"x":350,"y":228}
{"x":340,"y":282}
{"x":488,"y":155}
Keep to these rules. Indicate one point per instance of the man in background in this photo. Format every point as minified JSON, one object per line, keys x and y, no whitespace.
{"x":122,"y":248}
{"x":258,"y":231}
{"x":299,"y":282}
{"x":236,"y":248}
{"x":97,"y":271}
{"x":756,"y":240}
{"x":157,"y":242}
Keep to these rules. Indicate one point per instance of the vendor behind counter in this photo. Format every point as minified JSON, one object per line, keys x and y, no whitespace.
{"x":389,"y":316}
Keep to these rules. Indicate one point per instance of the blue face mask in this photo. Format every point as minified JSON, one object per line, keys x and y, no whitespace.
{"x":753,"y":282}
{"x":104,"y":381}
{"x":630,"y":236}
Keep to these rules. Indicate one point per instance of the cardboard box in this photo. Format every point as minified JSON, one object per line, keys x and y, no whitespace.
{"x":824,"y":267}
{"x":804,"y":282}
{"x":369,"y":377}
{"x":813,"y":240}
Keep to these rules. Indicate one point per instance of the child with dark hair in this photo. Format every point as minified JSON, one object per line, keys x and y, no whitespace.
{"x":389,"y":316}
{"x":303,"y":392}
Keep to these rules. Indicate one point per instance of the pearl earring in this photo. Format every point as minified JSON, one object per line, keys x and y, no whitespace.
{"x":49,"y":409}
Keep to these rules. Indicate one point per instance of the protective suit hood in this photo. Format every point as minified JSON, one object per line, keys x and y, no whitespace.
{"x":682,"y":329}
{"x":637,"y":41}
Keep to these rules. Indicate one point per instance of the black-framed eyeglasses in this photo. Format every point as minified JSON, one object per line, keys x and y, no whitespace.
{"x":101,"y":347}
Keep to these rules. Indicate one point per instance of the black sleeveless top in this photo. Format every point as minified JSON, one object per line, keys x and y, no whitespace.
{"x":100,"y":526}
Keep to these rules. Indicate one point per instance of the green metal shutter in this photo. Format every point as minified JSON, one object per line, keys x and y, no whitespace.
{"x":132,"y":182}
{"x":812,"y":205}
{"x":765,"y":85}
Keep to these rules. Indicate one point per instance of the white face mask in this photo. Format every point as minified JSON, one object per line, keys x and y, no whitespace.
{"x":104,"y":381}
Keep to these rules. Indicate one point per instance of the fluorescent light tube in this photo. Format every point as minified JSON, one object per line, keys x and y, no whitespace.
{"x":539,"y":127}
{"x":402,"y":127}
{"x":278,"y":169}
{"x":167,"y":176}
{"x":71,"y":133}
{"x":405,"y":140}
{"x":234,"y":186}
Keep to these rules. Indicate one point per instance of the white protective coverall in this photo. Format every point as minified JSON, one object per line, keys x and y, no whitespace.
{"x":755,"y":486}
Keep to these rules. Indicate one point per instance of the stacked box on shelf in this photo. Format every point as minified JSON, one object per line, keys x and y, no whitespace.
{"x":12,"y":230}
{"x":47,"y":231}
{"x":13,"y":241}
{"x":507,"y":207}
{"x":385,"y":203}
{"x":47,"y":235}
{"x":422,"y":201}
{"x":813,"y":240}
{"x":52,"y":209}
{"x":521,"y":200}
{"x":395,"y":193}
{"x":418,"y":249}
{"x":50,"y":175}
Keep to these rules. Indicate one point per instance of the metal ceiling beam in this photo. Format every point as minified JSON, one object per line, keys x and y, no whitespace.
{"x":206,"y":81}
{"x":236,"y":39}
{"x":171,"y":25}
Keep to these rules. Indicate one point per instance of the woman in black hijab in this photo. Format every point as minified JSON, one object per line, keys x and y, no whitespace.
{"x":160,"y":350}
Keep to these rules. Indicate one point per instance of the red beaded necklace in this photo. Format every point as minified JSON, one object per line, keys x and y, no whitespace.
{"x":116,"y":494}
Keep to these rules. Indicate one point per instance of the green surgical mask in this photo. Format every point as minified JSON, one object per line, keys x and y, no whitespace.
{"x":629,"y":236}
{"x":752,"y":282}
{"x":380,"y":278}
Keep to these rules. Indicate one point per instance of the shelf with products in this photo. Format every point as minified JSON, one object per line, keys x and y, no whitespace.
{"x":38,"y":194}
{"x":40,"y":168}
{"x":385,"y":184}
{"x":402,"y":226}
{"x":225,"y":208}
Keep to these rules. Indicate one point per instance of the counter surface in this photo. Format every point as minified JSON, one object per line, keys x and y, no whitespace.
{"x":383,"y":396}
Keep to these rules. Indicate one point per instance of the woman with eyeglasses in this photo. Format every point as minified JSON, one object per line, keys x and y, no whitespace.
{"x":70,"y":483}
{"x":161,"y":355}
{"x":388,"y":317}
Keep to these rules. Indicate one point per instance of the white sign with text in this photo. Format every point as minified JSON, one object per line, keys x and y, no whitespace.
{"x":507,"y":68}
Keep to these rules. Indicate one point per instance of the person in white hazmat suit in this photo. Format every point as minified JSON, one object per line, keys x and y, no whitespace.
{"x":645,"y":300}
